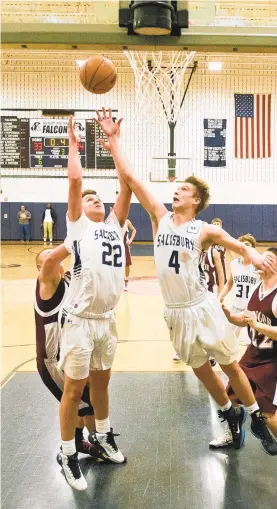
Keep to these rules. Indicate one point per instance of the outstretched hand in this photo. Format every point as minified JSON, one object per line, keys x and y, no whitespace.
{"x":108,"y":126}
{"x":71,"y":128}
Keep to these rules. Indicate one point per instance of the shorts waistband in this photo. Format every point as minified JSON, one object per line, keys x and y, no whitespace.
{"x":189,"y":303}
{"x":94,"y":316}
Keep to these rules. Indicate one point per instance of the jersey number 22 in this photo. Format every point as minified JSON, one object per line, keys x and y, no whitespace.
{"x":112,"y":255}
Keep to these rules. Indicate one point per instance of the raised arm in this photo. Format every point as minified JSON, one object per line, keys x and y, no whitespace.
{"x":50,"y":271}
{"x":75,"y":174}
{"x":124,"y":168}
{"x":227,"y":288}
{"x":50,"y":268}
{"x":215,"y":235}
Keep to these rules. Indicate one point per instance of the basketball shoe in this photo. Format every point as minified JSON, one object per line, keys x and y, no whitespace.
{"x":260,"y":431}
{"x":106,"y":443}
{"x":85,"y":447}
{"x":235,"y":418}
{"x":72,"y":471}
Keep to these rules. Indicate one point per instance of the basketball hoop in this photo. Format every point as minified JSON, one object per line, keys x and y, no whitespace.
{"x":159,"y":77}
{"x":171,"y":178}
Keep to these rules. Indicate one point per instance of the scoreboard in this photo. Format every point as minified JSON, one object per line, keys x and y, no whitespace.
{"x":44,"y":143}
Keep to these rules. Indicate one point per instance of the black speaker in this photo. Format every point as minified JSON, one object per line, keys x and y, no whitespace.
{"x":152,"y":18}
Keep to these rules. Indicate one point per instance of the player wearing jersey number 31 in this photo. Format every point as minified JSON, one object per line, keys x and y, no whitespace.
{"x":197,"y":325}
{"x":87,"y":321}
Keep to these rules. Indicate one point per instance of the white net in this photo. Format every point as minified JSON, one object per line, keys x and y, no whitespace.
{"x":159,"y":81}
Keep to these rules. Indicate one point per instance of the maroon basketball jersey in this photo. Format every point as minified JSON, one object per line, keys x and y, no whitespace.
{"x":46,"y":319}
{"x":222,"y":252}
{"x":209,"y":269}
{"x":263,"y":350}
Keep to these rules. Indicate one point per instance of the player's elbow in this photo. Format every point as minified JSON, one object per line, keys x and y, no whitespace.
{"x":75,"y":180}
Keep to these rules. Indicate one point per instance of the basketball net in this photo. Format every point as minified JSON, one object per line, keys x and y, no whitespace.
{"x":159,"y":77}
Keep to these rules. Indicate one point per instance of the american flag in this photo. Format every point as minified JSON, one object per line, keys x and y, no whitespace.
{"x":252,"y":126}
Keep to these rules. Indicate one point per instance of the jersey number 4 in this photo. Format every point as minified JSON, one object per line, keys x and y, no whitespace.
{"x":112,"y":255}
{"x":174,"y":261}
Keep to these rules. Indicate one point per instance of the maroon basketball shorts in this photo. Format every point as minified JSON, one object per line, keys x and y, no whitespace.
{"x":263,"y":380}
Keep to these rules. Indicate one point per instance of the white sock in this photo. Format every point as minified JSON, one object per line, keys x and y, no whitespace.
{"x":226,"y":407}
{"x":253,"y":408}
{"x":69,"y":447}
{"x":103,"y":425}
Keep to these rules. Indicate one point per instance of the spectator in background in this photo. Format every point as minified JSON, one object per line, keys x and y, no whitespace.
{"x":47,"y":222}
{"x":24,"y":217}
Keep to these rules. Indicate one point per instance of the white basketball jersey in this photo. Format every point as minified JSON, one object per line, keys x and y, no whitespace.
{"x":98,"y":261}
{"x":178,"y":254}
{"x":244,"y":278}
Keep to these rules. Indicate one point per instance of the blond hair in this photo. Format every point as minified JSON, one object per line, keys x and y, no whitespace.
{"x":248,"y":238}
{"x":202,"y":191}
{"x":88,"y":191}
{"x":216,"y":220}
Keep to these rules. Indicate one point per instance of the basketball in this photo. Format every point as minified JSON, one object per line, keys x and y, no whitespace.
{"x":98,"y":74}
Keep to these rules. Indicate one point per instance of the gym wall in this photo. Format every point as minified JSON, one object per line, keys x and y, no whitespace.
{"x":244,"y":193}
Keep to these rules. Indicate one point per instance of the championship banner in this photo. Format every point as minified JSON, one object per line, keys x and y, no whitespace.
{"x":215,"y":142}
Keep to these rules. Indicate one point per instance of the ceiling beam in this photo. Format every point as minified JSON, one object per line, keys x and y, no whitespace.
{"x":201,"y":39}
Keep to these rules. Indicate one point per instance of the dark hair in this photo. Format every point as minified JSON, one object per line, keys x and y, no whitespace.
{"x":88,"y":191}
{"x":248,"y":238}
{"x":273,"y":250}
{"x":202,"y":190}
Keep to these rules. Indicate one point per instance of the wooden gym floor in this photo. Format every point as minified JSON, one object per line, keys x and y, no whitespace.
{"x":143,"y":338}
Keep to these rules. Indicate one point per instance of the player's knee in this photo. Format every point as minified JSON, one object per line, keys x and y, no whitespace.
{"x":232,"y":369}
{"x":74,"y":392}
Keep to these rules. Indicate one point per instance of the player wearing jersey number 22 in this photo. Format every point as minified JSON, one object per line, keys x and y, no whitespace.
{"x":198,"y":327}
{"x":87,"y":321}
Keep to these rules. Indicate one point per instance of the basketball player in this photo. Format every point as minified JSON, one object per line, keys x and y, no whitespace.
{"x":213,"y":270}
{"x":243,"y":278}
{"x":212,"y":267}
{"x":259,"y":362}
{"x":194,"y":316}
{"x":221,"y":249}
{"x":52,"y":286}
{"x":88,"y":328}
{"x":128,"y":227}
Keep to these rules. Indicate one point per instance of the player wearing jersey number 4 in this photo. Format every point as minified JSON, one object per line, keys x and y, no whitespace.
{"x":260,"y":359}
{"x":197,"y":325}
{"x":87,"y":321}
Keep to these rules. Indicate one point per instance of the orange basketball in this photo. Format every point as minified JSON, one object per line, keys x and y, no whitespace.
{"x":98,"y":74}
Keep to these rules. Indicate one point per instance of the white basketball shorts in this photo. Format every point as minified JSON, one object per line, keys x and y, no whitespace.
{"x":201,"y":331}
{"x":240,"y":332}
{"x":87,"y":344}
